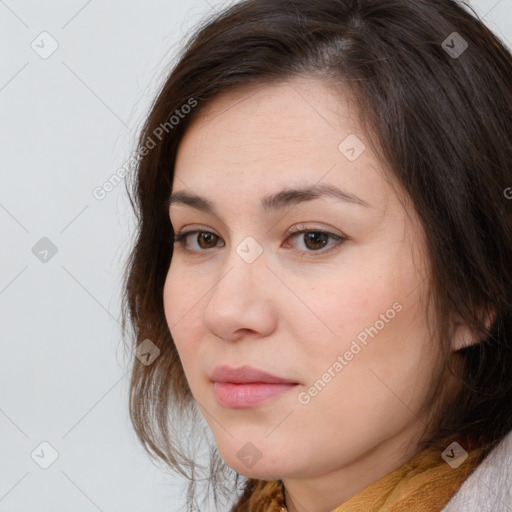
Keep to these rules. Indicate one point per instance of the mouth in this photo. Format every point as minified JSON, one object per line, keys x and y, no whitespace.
{"x":245,"y":387}
{"x":244,"y":396}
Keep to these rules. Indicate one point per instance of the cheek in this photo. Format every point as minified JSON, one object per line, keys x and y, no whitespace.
{"x":172,"y":302}
{"x":181,"y":296}
{"x":350,"y":304}
{"x":375,"y":320}
{"x":378,"y":387}
{"x":182,"y":308}
{"x":182,"y":313}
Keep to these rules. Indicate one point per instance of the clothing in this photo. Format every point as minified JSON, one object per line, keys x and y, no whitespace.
{"x":426,"y":483}
{"x":489,"y":488}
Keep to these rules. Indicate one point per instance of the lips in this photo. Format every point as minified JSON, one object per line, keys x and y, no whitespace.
{"x":245,"y":375}
{"x":246,"y":387}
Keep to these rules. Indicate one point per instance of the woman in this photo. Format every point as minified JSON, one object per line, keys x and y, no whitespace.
{"x":322,"y":268}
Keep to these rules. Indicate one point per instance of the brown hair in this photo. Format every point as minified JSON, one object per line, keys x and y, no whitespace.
{"x":441,"y":124}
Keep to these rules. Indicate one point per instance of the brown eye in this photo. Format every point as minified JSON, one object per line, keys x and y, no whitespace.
{"x":315,"y":240}
{"x":204,"y":239}
{"x":208,"y":239}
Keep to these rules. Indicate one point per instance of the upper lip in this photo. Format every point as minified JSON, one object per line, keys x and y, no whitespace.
{"x":245,"y":374}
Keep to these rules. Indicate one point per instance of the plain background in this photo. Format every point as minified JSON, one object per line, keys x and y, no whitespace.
{"x":68,"y":123}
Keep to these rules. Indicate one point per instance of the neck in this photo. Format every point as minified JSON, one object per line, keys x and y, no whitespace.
{"x":325,"y":492}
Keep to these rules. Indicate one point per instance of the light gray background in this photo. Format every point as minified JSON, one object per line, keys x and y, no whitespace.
{"x":68,"y":122}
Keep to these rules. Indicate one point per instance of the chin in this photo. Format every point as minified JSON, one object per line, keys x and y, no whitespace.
{"x":249,"y":462}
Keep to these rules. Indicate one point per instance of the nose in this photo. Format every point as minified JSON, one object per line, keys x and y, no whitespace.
{"x":241,"y":303}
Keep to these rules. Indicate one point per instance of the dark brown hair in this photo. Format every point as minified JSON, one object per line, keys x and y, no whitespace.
{"x":441,"y":123}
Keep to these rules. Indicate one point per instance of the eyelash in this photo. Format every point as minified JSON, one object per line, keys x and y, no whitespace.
{"x":182,"y":237}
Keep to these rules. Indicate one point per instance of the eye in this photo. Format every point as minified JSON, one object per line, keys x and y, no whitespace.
{"x":314,"y":240}
{"x":203,"y":236}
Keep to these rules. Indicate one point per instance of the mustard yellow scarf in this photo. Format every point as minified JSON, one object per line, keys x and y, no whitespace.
{"x":426,"y":482}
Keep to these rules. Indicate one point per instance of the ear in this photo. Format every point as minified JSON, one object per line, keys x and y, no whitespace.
{"x":463,"y":337}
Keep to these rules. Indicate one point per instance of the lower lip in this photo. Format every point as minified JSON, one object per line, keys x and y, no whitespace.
{"x":241,"y":396}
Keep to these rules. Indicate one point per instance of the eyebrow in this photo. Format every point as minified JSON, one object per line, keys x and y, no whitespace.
{"x":284,"y":199}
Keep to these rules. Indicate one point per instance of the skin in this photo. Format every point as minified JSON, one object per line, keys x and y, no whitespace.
{"x":295,"y":309}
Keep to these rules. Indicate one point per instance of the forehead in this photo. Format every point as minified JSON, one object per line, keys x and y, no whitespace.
{"x":297,"y":110}
{"x":280,"y":134}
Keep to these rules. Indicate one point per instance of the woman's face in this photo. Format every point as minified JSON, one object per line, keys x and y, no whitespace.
{"x":344,"y":319}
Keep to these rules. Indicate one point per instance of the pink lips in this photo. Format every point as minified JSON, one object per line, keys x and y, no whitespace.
{"x":244,"y":387}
